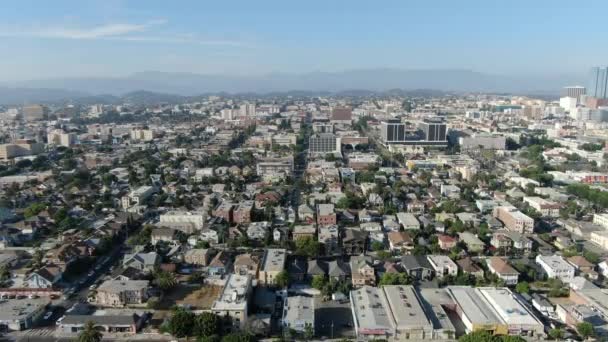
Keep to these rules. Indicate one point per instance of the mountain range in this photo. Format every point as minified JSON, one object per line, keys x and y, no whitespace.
{"x":189,"y":84}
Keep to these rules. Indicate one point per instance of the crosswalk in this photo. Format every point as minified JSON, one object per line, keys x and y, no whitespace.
{"x":40,"y":332}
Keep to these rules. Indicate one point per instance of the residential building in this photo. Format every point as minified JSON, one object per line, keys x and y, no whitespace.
{"x":138,"y":196}
{"x":145,"y":262}
{"x":362,"y":271}
{"x":186,"y":221}
{"x":328,"y":236}
{"x":326,"y":216}
{"x":303,"y":231}
{"x":354,"y":242}
{"x":513,"y":219}
{"x":247,"y":263}
{"x":273,"y":263}
{"x":555,"y":266}
{"x":443,"y":265}
{"x":233,"y":301}
{"x":242,"y":212}
{"x":408,"y":221}
{"x":446,"y":242}
{"x":299,"y":313}
{"x":417,"y":266}
{"x":122,"y":292}
{"x":473,"y":243}
{"x":503,"y":270}
{"x":142,"y":134}
{"x":220,"y":264}
{"x":542,"y":206}
{"x":400,"y":241}
{"x":198,"y":256}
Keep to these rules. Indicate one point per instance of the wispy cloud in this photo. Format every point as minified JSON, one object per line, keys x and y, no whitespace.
{"x":118,"y":31}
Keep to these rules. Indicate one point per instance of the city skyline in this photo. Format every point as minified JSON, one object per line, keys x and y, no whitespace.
{"x":118,"y":38}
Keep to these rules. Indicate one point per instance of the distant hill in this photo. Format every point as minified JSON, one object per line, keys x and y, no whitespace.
{"x":20,"y":96}
{"x":375,"y":80}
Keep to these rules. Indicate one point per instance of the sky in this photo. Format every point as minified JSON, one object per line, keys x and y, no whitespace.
{"x":98,"y":38}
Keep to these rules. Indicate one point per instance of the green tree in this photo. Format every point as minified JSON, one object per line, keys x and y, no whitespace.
{"x":165,"y":280}
{"x":34,"y":209}
{"x":522,"y":287}
{"x":89,"y":333}
{"x":318,"y":281}
{"x":479,"y":336}
{"x":239,"y":337}
{"x":207,"y":324}
{"x":37,"y":259}
{"x":556,"y":333}
{"x":585,"y":329}
{"x":5,"y":275}
{"x":309,"y":332}
{"x":377,"y":246}
{"x":282,"y":279}
{"x":394,"y":279}
{"x":308,"y":246}
{"x":181,"y":323}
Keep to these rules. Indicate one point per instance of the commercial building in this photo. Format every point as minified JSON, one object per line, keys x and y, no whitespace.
{"x":234,"y":299}
{"x":142,"y":135}
{"x":574,"y":91}
{"x":434,"y":130}
{"x":299,"y":313}
{"x":598,"y":83}
{"x":496,"y":310}
{"x":60,"y":138}
{"x":121,"y":324}
{"x":186,"y":221}
{"x":21,"y":314}
{"x":34,"y":112}
{"x":486,"y":142}
{"x":555,"y":266}
{"x":341,"y":115}
{"x":20,"y":148}
{"x":275,"y":167}
{"x":399,"y":312}
{"x":601,"y":219}
{"x":272,"y":264}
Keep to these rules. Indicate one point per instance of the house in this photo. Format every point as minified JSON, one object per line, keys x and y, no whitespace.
{"x":122,"y":292}
{"x":198,"y":256}
{"x":338,"y":270}
{"x":45,"y":277}
{"x":296,"y":268}
{"x":583,"y":266}
{"x":417,"y":266}
{"x":473,"y":243}
{"x":354,"y":242}
{"x":400,"y":241}
{"x":258,"y":230}
{"x":503,"y":270}
{"x":316,"y":267}
{"x":326,"y":215}
{"x":163,"y":234}
{"x":247,"y":263}
{"x":304,"y":231}
{"x":220,"y":264}
{"x":468,"y":266}
{"x":306,"y":214}
{"x":145,"y":262}
{"x":446,"y":242}
{"x":443,"y":265}
{"x":362,"y":271}
{"x":555,"y":266}
{"x":408,"y":221}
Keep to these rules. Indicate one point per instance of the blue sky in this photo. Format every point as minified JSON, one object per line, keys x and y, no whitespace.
{"x":69,"y":38}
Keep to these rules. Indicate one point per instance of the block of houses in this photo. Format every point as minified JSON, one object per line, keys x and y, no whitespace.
{"x":501,"y":268}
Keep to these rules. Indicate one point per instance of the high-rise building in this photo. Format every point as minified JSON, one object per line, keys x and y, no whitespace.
{"x":323,"y":143}
{"x":247,"y":109}
{"x":598,"y":84}
{"x":34,"y":112}
{"x":392,"y":132}
{"x":433,"y":130}
{"x":574,"y":91}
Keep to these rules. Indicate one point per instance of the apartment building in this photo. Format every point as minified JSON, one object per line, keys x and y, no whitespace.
{"x":186,"y":221}
{"x":542,"y":206}
{"x":555,"y":266}
{"x":513,"y":219}
{"x":122,"y":292}
{"x":273,"y":263}
{"x":233,"y":301}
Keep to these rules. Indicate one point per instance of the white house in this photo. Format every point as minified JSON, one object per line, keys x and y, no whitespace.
{"x":556,"y":267}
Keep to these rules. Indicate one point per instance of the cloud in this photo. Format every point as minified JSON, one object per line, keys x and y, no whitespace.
{"x":119,"y":31}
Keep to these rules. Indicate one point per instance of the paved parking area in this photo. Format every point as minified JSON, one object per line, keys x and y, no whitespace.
{"x":333,"y":319}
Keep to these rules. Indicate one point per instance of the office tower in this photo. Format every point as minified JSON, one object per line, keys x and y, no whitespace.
{"x":574,"y":91}
{"x":392,"y":132}
{"x":323,"y":143}
{"x":34,"y":112}
{"x":598,"y":82}
{"x":434,"y":130}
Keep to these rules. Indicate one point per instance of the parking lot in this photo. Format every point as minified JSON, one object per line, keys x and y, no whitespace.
{"x":333,"y":319}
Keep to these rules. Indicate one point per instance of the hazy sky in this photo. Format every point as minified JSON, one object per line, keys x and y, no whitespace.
{"x":66,"y":38}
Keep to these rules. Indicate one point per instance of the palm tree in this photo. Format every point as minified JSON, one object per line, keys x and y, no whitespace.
{"x":165,"y":280}
{"x":89,"y":333}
